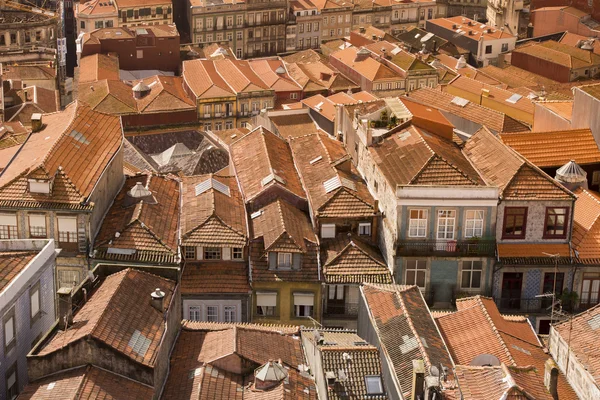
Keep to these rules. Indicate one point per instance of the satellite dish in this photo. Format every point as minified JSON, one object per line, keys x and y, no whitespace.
{"x":434,"y":371}
{"x":485,"y":360}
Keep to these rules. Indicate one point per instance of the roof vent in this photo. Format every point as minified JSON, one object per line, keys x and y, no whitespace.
{"x":361,"y":55}
{"x":572,"y":176}
{"x":269,"y":375}
{"x":139,"y":191}
{"x":461,"y":63}
{"x":485,"y":360}
{"x":140,"y":90}
{"x":158,"y":299}
{"x":280,"y":70}
{"x":588,"y":45}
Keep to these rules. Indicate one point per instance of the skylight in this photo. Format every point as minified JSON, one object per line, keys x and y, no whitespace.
{"x":313,"y":161}
{"x":79,"y":137}
{"x":459,"y":101}
{"x":212,"y":183}
{"x":514,"y":98}
{"x":256,"y":214}
{"x":373,"y":384}
{"x":594,"y":323}
{"x":336,"y":182}
{"x":139,"y":343}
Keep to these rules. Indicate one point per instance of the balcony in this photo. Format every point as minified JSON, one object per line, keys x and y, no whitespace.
{"x":458,"y":248}
{"x":537,"y":305}
{"x":346,"y":310}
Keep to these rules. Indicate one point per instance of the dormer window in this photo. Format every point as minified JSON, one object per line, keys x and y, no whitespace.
{"x":327,"y":231}
{"x":364,"y":229}
{"x":39,"y":186}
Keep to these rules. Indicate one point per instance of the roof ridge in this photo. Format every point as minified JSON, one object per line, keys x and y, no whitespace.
{"x":412,"y":326}
{"x":62,"y":135}
{"x":494,"y":328}
{"x":104,"y":311}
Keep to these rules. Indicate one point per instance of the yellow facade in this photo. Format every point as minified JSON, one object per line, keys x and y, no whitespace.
{"x":284,"y":312}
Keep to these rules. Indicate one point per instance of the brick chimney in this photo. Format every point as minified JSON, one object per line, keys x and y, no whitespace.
{"x":65,"y":308}
{"x":36,"y":122}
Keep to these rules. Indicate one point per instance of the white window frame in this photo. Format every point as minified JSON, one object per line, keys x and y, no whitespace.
{"x":373,"y":380}
{"x":468,"y":267}
{"x":364,"y":229}
{"x":229,"y":314}
{"x":474,"y":223}
{"x":303,"y":308}
{"x":9,"y":326}
{"x":195,"y":313}
{"x":270,"y":310}
{"x":446,"y":224}
{"x":35,"y":301}
{"x":281,"y":260}
{"x":327,"y":231}
{"x":416,"y":271}
{"x":8,"y":225}
{"x":215,"y":315}
{"x":417,"y":227}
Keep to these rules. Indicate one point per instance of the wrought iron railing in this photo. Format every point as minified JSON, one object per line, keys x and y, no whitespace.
{"x":446,"y":247}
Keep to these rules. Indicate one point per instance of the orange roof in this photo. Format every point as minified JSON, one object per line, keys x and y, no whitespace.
{"x":572,"y":39}
{"x":97,"y":8}
{"x":563,"y":109}
{"x":274,"y":74}
{"x":479,"y":30}
{"x":586,"y":226}
{"x":368,"y":67}
{"x":561,"y":54}
{"x":204,"y":81}
{"x":129,"y":292}
{"x":12,"y":263}
{"x":215,"y":277}
{"x":532,"y":249}
{"x":98,"y":67}
{"x":322,"y":105}
{"x":556,"y":148}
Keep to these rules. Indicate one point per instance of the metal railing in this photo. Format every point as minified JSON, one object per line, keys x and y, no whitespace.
{"x":536,"y":305}
{"x":446,"y":247}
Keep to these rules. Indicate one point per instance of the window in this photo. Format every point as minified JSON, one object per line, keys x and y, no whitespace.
{"x":293,"y":95}
{"x":212,"y":253}
{"x":10,"y":332}
{"x":68,"y":278}
{"x":446,"y":223}
{"x":266,"y":303}
{"x":212,"y":313}
{"x":284,"y":260}
{"x":373,"y":384}
{"x":99,"y":24}
{"x":303,"y":304}
{"x":556,"y":222}
{"x":8,"y":226}
{"x":515,"y":220}
{"x":82,"y":25}
{"x":474,"y":223}
{"x":504,"y":47}
{"x":488,"y":49}
{"x":189,"y":252}
{"x":37,"y":225}
{"x":195,"y":313}
{"x":239,"y":35}
{"x":417,"y":225}
{"x":230,"y":313}
{"x":471,"y":275}
{"x":416,"y":273}
{"x":12,"y":383}
{"x":430,"y":13}
{"x":238,"y":253}
{"x":590,"y":291}
{"x":364,"y":229}
{"x":67,"y":229}
{"x":34,"y":302}
{"x":327,"y":231}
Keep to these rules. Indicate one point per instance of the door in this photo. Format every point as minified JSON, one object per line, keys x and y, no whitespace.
{"x":336,"y":300}
{"x":511,"y":290}
{"x":590,"y":292}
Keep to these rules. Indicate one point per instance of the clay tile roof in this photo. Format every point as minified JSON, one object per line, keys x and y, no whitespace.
{"x":280,"y":221}
{"x":322,"y":105}
{"x":262,"y":159}
{"x":563,"y":109}
{"x":294,"y":125}
{"x":561,"y":54}
{"x":166,"y":94}
{"x":406,"y":329}
{"x":28,"y":72}
{"x":494,"y":120}
{"x":204,"y":81}
{"x":267,"y":70}
{"x":204,"y":355}
{"x":556,"y":148}
{"x":148,"y":224}
{"x":73,"y":149}
{"x":352,"y":260}
{"x":479,"y":328}
{"x":368,"y":67}
{"x":86,"y":383}
{"x":215,"y":277}
{"x":480,"y":30}
{"x":97,"y":67}
{"x":216,"y":216}
{"x":108,"y":96}
{"x":582,"y":333}
{"x":503,"y":167}
{"x":414,"y":156}
{"x":129,"y":292}
{"x":12,"y":263}
{"x":334,"y":187}
{"x":586,"y":226}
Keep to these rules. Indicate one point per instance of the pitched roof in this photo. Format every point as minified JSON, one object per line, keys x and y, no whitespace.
{"x":262,"y":159}
{"x":367,"y":67}
{"x":559,"y":53}
{"x":204,"y":359}
{"x":86,"y":383}
{"x":480,"y":31}
{"x":573,"y":39}
{"x":334,"y":187}
{"x":97,"y":67}
{"x":556,"y":148}
{"x":274,"y":74}
{"x":406,"y":330}
{"x":148,"y":224}
{"x":279,"y":223}
{"x":348,"y":259}
{"x":129,"y":292}
{"x":214,"y":212}
{"x":494,"y":120}
{"x":515,"y":77}
{"x":12,"y":263}
{"x":74,"y":149}
{"x":563,"y":109}
{"x":412,"y":155}
{"x":28,"y":72}
{"x":586,"y":226}
{"x":293,"y":125}
{"x":204,"y":81}
{"x":314,"y":73}
{"x":478,"y":328}
{"x":503,"y":167}
{"x":581,"y":332}
{"x":215,"y":277}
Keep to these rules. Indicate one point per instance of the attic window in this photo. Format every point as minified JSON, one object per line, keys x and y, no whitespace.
{"x":139,"y":343}
{"x":373,"y":384}
{"x":256,"y":214}
{"x":212,"y":183}
{"x":36,"y":186}
{"x":314,"y":161}
{"x":514,"y":98}
{"x":336,"y":182}
{"x":79,"y":137}
{"x":459,"y":101}
{"x":272,"y":177}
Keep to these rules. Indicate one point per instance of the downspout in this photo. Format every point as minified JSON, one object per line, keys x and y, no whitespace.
{"x":572,"y":255}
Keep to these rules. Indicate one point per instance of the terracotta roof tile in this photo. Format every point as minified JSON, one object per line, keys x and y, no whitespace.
{"x":294,"y":125}
{"x":261,"y":155}
{"x":520,"y":250}
{"x":479,"y":30}
{"x":12,"y":263}
{"x":368,"y":67}
{"x":351,"y":197}
{"x":215,"y":277}
{"x":560,"y":53}
{"x":98,"y":67}
{"x":204,"y":81}
{"x":146,"y":224}
{"x":128,"y":291}
{"x":267,"y":70}
{"x":314,"y":73}
{"x":586,"y":226}
{"x":556,"y":148}
{"x":351,"y":260}
{"x":213,"y":217}
{"x":406,"y":329}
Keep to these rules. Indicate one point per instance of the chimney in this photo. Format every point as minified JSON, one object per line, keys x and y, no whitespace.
{"x":65,"y":308}
{"x":36,"y":122}
{"x":361,"y":55}
{"x":374,"y":37}
{"x":158,"y":297}
{"x":141,"y":90}
{"x":485,"y":92}
{"x":572,"y":176}
{"x":362,"y":29}
{"x":434,"y":50}
{"x":551,"y":377}
{"x":461,"y":63}
{"x":418,"y":380}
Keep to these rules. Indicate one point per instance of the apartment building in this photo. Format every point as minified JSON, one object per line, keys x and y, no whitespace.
{"x":265,"y":27}
{"x":97,"y":14}
{"x":483,"y":42}
{"x":414,"y":13}
{"x":473,"y":9}
{"x":374,"y":13}
{"x":337,"y":18}
{"x":304,"y":26}
{"x":564,"y":17}
{"x":507,"y":13}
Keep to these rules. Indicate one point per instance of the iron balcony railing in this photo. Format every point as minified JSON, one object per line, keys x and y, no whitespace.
{"x":537,"y":305}
{"x":446,"y":247}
